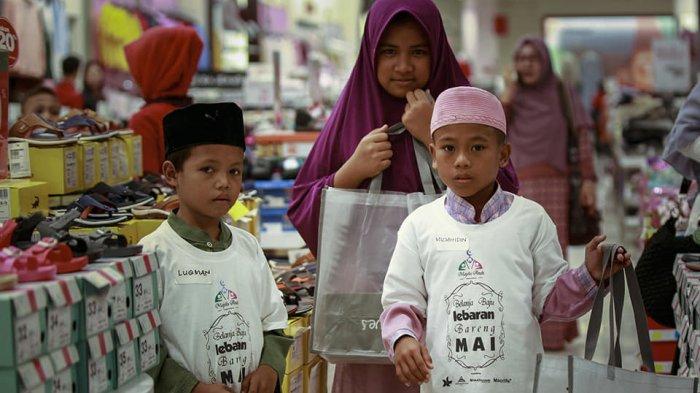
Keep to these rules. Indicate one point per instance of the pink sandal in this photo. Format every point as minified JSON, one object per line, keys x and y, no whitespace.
{"x":27,"y":267}
{"x":50,"y":251}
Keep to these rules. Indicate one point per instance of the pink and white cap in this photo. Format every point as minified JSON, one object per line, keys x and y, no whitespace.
{"x":464,"y":104}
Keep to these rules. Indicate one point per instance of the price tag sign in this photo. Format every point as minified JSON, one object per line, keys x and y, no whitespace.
{"x":8,"y":41}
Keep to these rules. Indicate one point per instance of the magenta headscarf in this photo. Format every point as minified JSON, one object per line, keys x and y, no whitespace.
{"x":364,"y":105}
{"x":537,"y":128}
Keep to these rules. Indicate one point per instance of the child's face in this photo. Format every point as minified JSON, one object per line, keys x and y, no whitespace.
{"x":43,"y":104}
{"x":210,"y":180}
{"x":468,"y":157}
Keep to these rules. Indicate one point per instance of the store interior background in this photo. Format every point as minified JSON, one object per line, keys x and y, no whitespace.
{"x":316,"y":42}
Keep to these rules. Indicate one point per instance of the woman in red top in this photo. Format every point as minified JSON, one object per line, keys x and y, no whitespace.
{"x":163,"y":62}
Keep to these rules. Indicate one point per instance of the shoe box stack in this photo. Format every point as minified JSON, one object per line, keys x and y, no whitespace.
{"x":245,"y":214}
{"x":90,"y":331}
{"x":41,"y":175}
{"x":686,"y":308}
{"x":275,"y":196}
{"x":305,"y":371}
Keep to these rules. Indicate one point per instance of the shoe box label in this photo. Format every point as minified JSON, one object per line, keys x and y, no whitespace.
{"x":126,"y":363}
{"x":138,"y":157}
{"x":5,"y":204}
{"x":104,"y":162}
{"x":20,"y":166}
{"x":144,"y":293}
{"x":70,"y":168}
{"x":98,"y":380}
{"x":59,"y":327}
{"x":118,"y":303}
{"x":148,"y":350}
{"x":63,"y":382}
{"x":89,"y":175}
{"x":96,"y":315}
{"x":27,"y":337}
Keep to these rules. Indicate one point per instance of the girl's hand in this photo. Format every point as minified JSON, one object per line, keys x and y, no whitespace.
{"x":417,"y":114}
{"x":371,"y":157}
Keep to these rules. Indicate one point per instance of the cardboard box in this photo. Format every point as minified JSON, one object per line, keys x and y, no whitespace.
{"x":20,"y":164}
{"x":59,"y":166}
{"x":145,"y":287}
{"x":23,"y":198}
{"x":34,"y":376}
{"x":119,"y":162}
{"x":149,"y":342}
{"x":22,"y":325}
{"x":298,"y":352}
{"x":97,"y":369}
{"x":120,"y":295}
{"x":127,"y":353}
{"x":90,"y":159}
{"x":315,"y":375}
{"x":134,"y":151}
{"x":65,"y":370}
{"x":95,"y":288}
{"x":105,"y":165}
{"x":293,"y":382}
{"x":62,"y":311}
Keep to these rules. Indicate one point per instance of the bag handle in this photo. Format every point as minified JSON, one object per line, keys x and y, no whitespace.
{"x":617,"y":294}
{"x":423,"y":160}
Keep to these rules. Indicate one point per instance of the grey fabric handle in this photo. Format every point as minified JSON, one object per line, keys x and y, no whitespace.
{"x":423,"y":160}
{"x":617,"y":297}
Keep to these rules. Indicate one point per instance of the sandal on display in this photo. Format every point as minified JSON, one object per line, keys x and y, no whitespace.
{"x":27,"y":267}
{"x":51,"y":251}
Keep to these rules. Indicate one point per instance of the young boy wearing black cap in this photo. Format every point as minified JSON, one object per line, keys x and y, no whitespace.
{"x":221,"y":310}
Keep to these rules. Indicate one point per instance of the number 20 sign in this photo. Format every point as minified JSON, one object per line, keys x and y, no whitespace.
{"x":8,"y":41}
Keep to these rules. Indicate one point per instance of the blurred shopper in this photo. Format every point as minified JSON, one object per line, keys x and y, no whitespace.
{"x":538,"y":131}
{"x":67,"y":94}
{"x":93,"y":85}
{"x":163,"y":62}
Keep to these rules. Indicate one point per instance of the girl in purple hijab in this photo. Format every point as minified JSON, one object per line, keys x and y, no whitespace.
{"x":404,"y":61}
{"x":538,"y":134}
{"x":393,"y":80}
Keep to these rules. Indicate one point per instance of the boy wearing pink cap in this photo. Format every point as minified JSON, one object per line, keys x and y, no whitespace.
{"x":475,"y":272}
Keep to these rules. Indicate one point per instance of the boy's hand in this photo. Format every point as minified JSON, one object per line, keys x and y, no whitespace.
{"x":412,"y":360}
{"x":211,"y":388}
{"x":594,"y":259}
{"x":262,"y":380}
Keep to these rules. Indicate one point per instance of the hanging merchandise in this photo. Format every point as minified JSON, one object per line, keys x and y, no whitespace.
{"x":9,"y":53}
{"x":671,"y":63}
{"x":117,"y":27}
{"x":26,"y":16}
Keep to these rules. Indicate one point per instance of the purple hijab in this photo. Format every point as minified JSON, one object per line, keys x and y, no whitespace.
{"x":537,"y":128}
{"x":364,"y":105}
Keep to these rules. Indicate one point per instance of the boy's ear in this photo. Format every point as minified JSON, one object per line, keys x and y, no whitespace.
{"x":433,"y":151}
{"x":170,"y":174}
{"x":505,"y":155}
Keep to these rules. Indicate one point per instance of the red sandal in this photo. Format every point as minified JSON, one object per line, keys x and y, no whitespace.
{"x":27,"y":267}
{"x":6,"y":231}
{"x":50,"y":251}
